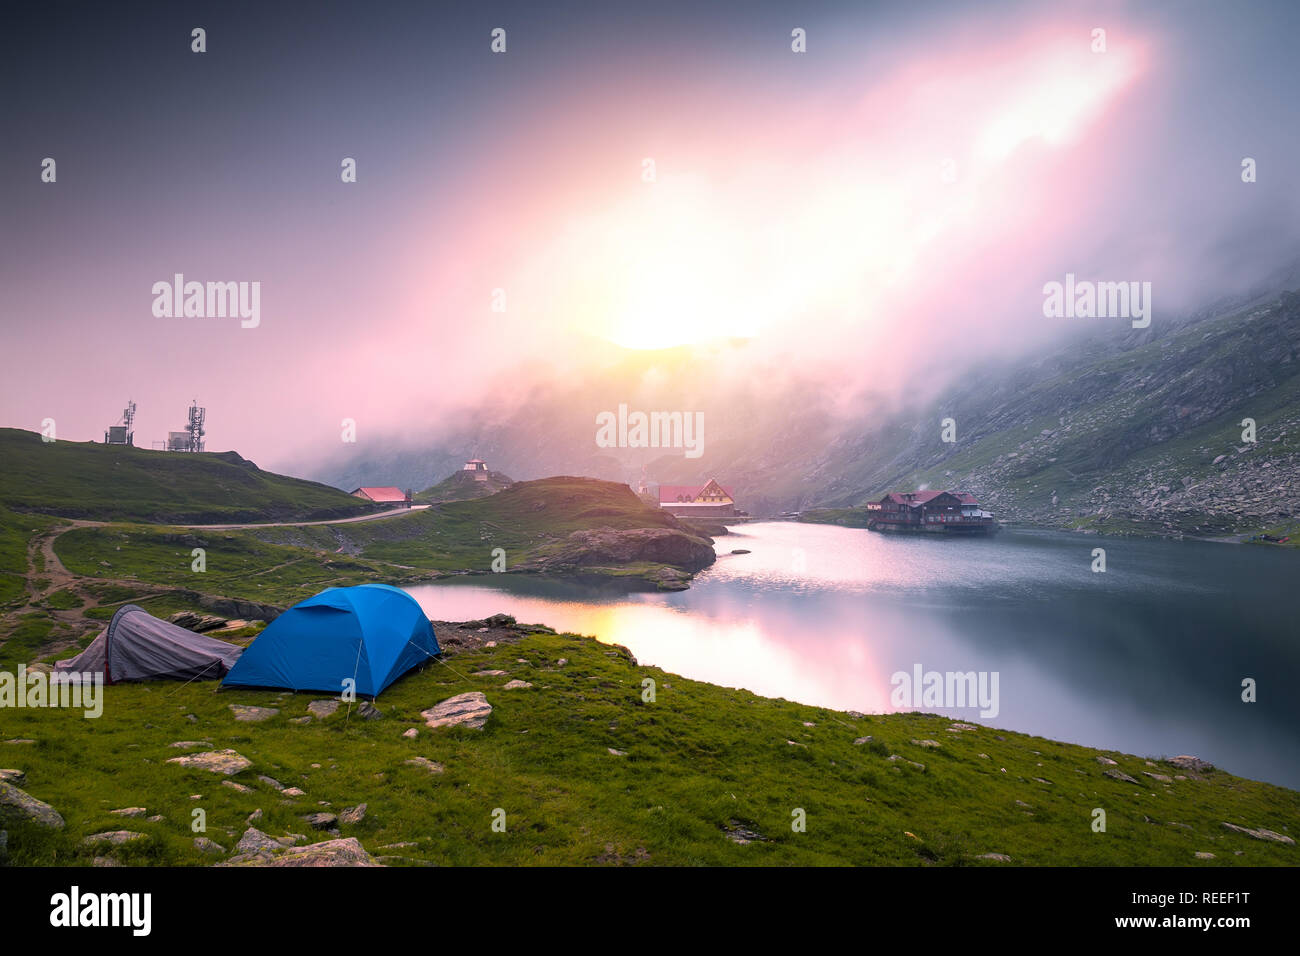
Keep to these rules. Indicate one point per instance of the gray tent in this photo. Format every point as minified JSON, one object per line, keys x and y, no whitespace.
{"x":139,"y":646}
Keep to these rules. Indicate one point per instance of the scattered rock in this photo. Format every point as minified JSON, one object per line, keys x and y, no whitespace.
{"x":255,"y":816}
{"x":271,"y":782}
{"x":995,"y":857}
{"x":425,"y":763}
{"x":255,"y":841}
{"x":250,"y":714}
{"x":193,"y":621}
{"x":322,"y":821}
{"x":236,"y":786}
{"x":1107,"y":761}
{"x":226,"y":762}
{"x":925,"y":743}
{"x":204,"y":845}
{"x":1187,"y":762}
{"x":960,"y":727}
{"x":293,"y":792}
{"x":300,"y":720}
{"x":487,"y":673}
{"x":190,"y":744}
{"x":862,"y":740}
{"x":129,"y":812}
{"x":893,"y":758}
{"x":368,"y":711}
{"x":114,"y":837}
{"x":353,"y":815}
{"x":411,"y":733}
{"x":28,"y":806}
{"x":1200,"y":855}
{"x":466,"y":710}
{"x":739,"y":833}
{"x":616,"y":753}
{"x":1261,"y":834}
{"x":16,"y":777}
{"x":515,"y":685}
{"x":1119,"y":775}
{"x":323,"y":708}
{"x":342,"y":852}
{"x":1163,"y":778}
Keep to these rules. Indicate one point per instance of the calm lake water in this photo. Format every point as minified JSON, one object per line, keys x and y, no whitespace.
{"x":1147,"y":658}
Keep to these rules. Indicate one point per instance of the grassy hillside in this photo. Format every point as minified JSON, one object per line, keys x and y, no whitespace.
{"x":460,"y":485}
{"x":697,"y":770}
{"x":116,"y":482}
{"x":528,"y":521}
{"x":575,"y":527}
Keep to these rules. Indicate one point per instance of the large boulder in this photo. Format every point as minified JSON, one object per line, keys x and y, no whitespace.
{"x":465,"y":710}
{"x":347,"y":851}
{"x":25,"y":805}
{"x":226,"y":762}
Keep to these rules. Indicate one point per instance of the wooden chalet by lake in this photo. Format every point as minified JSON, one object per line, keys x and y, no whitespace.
{"x":710,"y":500}
{"x":933,"y":512}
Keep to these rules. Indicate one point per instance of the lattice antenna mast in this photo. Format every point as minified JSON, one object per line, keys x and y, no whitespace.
{"x":195,"y":426}
{"x":128,"y":418}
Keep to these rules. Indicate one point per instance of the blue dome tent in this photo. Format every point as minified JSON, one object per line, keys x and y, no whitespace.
{"x":371,"y":633}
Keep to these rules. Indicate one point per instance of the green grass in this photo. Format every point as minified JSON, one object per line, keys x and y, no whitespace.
{"x":236,"y":562}
{"x":286,"y":564}
{"x":117,"y":482}
{"x":23,"y":642}
{"x":700,"y":759}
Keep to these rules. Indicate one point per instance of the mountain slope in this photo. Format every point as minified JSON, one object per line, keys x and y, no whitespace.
{"x":1144,"y":436}
{"x":1119,"y":425}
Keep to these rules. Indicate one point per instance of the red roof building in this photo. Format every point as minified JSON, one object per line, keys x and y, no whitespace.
{"x":383,"y":496}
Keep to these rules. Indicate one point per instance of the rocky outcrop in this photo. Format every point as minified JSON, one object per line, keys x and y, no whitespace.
{"x":23,"y":804}
{"x":605,"y":546}
{"x":193,"y":621}
{"x":1260,"y":833}
{"x":342,"y":852}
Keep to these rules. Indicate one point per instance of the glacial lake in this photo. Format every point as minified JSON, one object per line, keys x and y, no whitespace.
{"x":1146,"y":658}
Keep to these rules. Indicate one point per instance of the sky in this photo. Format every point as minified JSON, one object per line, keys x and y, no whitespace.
{"x":873,"y":212}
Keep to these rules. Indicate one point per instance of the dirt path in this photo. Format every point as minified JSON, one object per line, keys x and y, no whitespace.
{"x":47,"y":574}
{"x":71,"y":624}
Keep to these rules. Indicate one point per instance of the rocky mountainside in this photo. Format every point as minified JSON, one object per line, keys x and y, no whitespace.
{"x":1148,"y":434}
